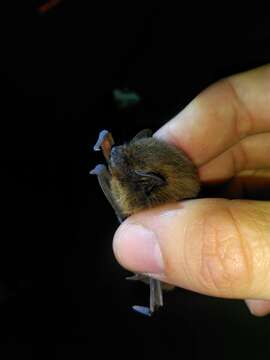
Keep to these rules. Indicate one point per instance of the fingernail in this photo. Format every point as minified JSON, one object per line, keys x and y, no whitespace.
{"x":258,"y":307}
{"x":137,"y":249}
{"x":250,"y":308}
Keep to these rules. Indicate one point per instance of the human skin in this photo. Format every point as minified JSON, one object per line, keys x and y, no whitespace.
{"x":214,"y":246}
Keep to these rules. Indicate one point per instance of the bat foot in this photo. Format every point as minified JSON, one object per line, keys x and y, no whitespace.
{"x":156,"y":297}
{"x":137,"y":277}
{"x":144,"y":310}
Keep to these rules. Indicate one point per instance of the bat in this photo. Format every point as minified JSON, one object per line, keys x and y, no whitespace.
{"x":142,"y":174}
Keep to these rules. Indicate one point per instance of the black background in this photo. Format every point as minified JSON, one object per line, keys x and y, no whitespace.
{"x":61,"y":290}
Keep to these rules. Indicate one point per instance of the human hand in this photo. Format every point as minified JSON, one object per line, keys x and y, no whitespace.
{"x":218,"y":247}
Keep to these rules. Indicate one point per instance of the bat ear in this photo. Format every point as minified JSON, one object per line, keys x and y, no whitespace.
{"x":146,"y":133}
{"x":105,"y":142}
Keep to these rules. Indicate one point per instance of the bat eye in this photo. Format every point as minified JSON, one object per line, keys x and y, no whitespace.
{"x":155,"y":177}
{"x":150,"y":180}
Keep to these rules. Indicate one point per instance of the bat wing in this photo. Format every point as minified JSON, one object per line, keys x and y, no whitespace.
{"x":104,"y":178}
{"x":105,"y":142}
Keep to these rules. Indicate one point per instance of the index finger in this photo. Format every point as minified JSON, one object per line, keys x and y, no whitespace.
{"x":222,"y":115}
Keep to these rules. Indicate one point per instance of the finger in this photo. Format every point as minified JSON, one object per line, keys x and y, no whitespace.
{"x":220,"y":116}
{"x":250,"y":153}
{"x":248,"y":184}
{"x":213,"y":246}
{"x":258,"y":307}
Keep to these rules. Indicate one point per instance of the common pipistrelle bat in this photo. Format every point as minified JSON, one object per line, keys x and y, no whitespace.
{"x":141,"y":174}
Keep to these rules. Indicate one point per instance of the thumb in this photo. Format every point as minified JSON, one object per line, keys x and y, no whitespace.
{"x":213,"y":246}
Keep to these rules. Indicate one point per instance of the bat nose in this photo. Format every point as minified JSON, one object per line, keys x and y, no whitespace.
{"x":113,"y":155}
{"x":116,"y":156}
{"x":113,"y":150}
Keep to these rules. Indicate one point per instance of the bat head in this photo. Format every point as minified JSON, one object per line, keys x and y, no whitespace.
{"x":148,"y":172}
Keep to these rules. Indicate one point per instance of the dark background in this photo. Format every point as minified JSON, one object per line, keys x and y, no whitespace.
{"x":61,"y":289}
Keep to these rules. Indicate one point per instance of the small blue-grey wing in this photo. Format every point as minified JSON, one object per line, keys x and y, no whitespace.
{"x":142,"y":310}
{"x":105,"y":142}
{"x":104,"y":179}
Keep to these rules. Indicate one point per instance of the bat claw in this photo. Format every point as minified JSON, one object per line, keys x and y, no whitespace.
{"x":136,"y":277}
{"x":142,"y":310}
{"x":97,"y":170}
